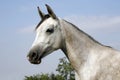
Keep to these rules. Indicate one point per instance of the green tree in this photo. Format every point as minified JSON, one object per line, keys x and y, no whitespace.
{"x":45,"y":77}
{"x":38,"y":77}
{"x":65,"y":72}
{"x":65,"y":69}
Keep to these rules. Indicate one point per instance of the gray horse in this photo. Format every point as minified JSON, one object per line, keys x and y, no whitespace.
{"x":90,"y":59}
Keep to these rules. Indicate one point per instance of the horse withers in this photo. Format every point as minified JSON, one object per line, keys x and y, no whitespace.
{"x":90,"y":59}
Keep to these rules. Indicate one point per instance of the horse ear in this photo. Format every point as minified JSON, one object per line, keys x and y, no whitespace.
{"x":50,"y":11}
{"x":41,"y":14}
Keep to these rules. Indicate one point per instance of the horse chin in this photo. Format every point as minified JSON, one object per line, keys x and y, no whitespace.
{"x":36,"y":62}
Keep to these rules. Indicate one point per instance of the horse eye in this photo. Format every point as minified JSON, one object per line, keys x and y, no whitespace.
{"x":51,"y":30}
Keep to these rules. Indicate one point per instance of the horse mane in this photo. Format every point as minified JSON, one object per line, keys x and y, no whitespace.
{"x":85,"y":33}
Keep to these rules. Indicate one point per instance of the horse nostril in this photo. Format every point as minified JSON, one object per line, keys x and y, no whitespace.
{"x":34,"y":54}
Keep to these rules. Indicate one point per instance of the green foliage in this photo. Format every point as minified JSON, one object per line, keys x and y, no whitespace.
{"x":45,"y":77}
{"x":64,"y":69}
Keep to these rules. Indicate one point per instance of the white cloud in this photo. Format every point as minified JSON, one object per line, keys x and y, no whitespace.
{"x":95,"y":22}
{"x":26,"y":8}
{"x":27,"y":30}
{"x":110,"y":23}
{"x":105,"y":29}
{"x":88,"y":23}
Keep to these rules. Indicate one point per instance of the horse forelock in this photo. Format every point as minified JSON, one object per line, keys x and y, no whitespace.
{"x":42,"y":20}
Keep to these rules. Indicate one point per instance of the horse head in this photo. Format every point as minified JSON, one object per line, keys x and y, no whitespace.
{"x":48,"y":36}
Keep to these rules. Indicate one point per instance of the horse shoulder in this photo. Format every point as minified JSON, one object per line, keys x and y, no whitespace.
{"x":109,"y":65}
{"x":105,"y":65}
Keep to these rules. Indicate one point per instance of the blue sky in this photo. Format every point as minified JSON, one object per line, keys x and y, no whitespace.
{"x":18,"y":18}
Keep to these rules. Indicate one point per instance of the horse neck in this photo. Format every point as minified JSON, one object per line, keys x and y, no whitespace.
{"x":77,"y":44}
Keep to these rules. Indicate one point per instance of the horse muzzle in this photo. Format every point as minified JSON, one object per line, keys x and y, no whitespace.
{"x":34,"y":55}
